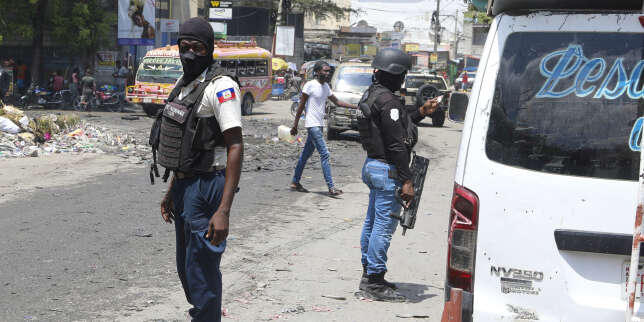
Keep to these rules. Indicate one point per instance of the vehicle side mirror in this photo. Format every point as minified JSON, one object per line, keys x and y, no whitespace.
{"x":458,"y":106}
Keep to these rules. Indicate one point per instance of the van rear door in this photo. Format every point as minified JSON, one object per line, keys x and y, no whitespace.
{"x":546,"y":150}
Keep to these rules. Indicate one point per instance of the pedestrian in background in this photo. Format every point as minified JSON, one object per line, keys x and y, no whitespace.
{"x":59,"y":81}
{"x":464,"y":81}
{"x":73,"y":86}
{"x":314,"y":95}
{"x":21,"y":76}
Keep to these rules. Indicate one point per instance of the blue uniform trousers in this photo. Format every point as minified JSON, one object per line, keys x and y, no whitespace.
{"x":195,"y":201}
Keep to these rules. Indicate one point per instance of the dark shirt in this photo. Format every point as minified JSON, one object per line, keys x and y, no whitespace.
{"x":393,"y":121}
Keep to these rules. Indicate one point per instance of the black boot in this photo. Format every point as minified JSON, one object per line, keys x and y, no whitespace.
{"x":377,"y":290}
{"x":364,"y":280}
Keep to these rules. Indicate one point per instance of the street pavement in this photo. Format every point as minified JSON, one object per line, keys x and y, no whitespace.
{"x":83,"y":238}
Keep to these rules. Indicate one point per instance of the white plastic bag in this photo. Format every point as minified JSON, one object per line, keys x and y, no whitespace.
{"x":7,"y":126}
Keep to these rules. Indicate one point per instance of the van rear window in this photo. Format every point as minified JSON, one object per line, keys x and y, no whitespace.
{"x":565,"y":103}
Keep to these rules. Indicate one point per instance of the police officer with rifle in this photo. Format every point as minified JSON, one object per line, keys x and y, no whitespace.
{"x":388,"y":133}
{"x":198,"y":138}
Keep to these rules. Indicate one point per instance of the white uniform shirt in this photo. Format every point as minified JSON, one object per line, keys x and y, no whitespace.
{"x":316,"y":104}
{"x":222,"y":100}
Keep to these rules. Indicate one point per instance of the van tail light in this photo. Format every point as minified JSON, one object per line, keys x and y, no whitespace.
{"x":461,"y":243}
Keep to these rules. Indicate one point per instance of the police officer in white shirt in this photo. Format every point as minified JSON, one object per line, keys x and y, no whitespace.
{"x":314,"y":95}
{"x":204,"y":109}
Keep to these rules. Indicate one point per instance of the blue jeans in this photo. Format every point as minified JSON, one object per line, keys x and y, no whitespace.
{"x":314,"y":140}
{"x":195,"y":200}
{"x":379,"y":225}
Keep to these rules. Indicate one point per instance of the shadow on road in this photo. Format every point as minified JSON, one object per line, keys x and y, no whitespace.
{"x":415,"y":293}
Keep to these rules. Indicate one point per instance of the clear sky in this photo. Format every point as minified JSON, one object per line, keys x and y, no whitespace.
{"x":415,"y":14}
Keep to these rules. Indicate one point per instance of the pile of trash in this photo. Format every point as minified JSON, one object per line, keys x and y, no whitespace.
{"x":22,"y":136}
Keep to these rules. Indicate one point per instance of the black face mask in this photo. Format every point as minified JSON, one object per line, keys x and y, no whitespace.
{"x":193,"y":65}
{"x":391,"y":82}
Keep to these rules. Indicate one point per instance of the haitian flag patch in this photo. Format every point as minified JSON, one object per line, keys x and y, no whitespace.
{"x":226,"y":95}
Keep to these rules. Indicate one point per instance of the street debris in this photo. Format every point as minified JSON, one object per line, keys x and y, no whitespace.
{"x":316,"y":308}
{"x":139,"y":232}
{"x":334,"y":297}
{"x":298,"y":309}
{"x":412,"y":316}
{"x":51,"y":133}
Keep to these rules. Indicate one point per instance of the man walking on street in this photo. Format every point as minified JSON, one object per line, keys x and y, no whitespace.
{"x":200,"y":142}
{"x":88,"y":86}
{"x":388,"y":133}
{"x":314,"y":95}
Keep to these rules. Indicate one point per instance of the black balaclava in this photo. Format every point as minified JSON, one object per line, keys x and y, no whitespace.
{"x":390,"y":81}
{"x":196,"y":29}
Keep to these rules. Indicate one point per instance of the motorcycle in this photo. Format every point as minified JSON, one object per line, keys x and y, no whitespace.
{"x":48,"y":99}
{"x":105,"y":96}
{"x":109,"y":97}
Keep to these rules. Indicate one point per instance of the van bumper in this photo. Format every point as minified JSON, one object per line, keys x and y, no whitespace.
{"x":459,"y":305}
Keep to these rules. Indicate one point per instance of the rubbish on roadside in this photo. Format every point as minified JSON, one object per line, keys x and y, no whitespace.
{"x":130,"y":118}
{"x":139,"y":232}
{"x":77,"y":132}
{"x":275,"y":140}
{"x":12,"y":111}
{"x":412,"y":316}
{"x":24,"y":121}
{"x":316,"y":308}
{"x":298,"y":309}
{"x":284,"y":134}
{"x":7,"y":126}
{"x":27,"y":137}
{"x":360,"y":295}
{"x":334,"y":297}
{"x":332,"y":269}
{"x":422,"y":251}
{"x":282,"y":270}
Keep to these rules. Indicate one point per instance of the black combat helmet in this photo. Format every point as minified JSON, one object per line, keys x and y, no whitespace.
{"x":391,"y":60}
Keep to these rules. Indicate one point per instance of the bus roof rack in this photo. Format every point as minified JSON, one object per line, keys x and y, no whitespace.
{"x":239,"y":44}
{"x":496,"y":7}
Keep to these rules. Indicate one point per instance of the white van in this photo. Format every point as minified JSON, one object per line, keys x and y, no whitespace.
{"x":546,"y":183}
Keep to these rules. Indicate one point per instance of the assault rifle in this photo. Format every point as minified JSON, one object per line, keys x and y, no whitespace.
{"x":419,"y":167}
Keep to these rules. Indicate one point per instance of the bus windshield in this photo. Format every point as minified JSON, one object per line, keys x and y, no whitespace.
{"x":159,"y":70}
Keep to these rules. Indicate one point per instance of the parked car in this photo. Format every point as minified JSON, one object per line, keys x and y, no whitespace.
{"x":458,"y":82}
{"x":546,"y":182}
{"x":348,"y":83}
{"x":421,"y":86}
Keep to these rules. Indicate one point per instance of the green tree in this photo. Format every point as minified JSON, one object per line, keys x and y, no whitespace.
{"x":80,"y":27}
{"x":83,"y":27}
{"x":20,"y":19}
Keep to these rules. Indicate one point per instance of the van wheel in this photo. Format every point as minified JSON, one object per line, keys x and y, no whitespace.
{"x":332,"y":134}
{"x":247,"y":105}
{"x":438,"y":119}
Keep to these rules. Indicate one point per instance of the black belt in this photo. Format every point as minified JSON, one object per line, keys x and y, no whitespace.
{"x":186,"y":175}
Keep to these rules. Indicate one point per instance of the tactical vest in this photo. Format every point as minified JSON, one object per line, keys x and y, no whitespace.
{"x":369,"y":122}
{"x":181,"y":140}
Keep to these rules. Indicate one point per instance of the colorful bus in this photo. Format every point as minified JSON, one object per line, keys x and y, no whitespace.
{"x":161,"y":68}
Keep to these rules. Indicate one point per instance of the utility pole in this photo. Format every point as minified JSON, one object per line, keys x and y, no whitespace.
{"x":437,"y":27}
{"x":456,"y":34}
